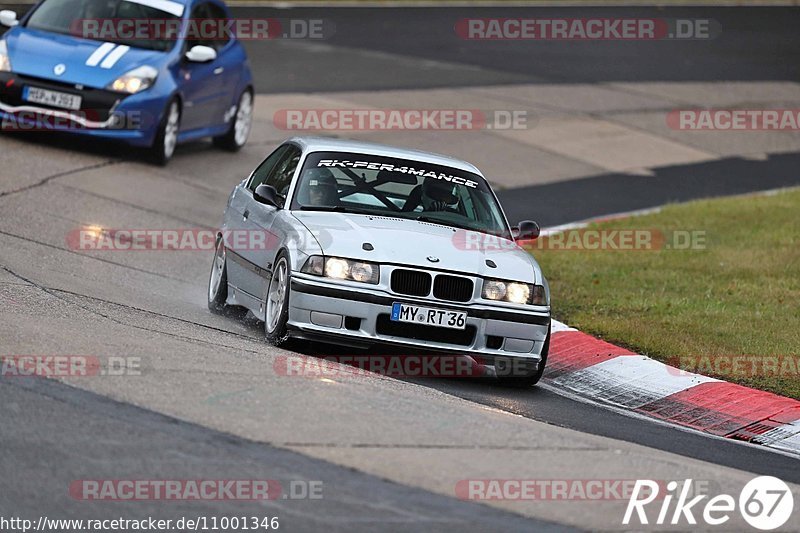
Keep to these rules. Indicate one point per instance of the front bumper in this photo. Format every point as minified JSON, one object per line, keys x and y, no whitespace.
{"x":102,"y":114}
{"x":358,"y":316}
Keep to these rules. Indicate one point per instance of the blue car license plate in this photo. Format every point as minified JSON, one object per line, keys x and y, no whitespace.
{"x":37,"y":95}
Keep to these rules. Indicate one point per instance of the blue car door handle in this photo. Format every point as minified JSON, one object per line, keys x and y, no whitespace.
{"x":219,"y":70}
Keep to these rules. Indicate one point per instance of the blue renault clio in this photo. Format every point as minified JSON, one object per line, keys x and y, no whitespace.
{"x":153,"y":89}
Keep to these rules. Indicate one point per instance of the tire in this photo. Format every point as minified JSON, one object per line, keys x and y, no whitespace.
{"x":166,"y":140}
{"x":525,"y":382}
{"x":276,"y":306}
{"x":239,"y":131}
{"x":218,"y":280}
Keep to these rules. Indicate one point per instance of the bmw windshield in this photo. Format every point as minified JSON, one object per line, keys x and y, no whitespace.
{"x":374,"y":185}
{"x":109,"y":21}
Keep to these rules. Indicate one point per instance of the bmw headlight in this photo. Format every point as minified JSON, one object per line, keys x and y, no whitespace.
{"x":5,"y":61}
{"x":514,"y":292}
{"x":135,"y":81}
{"x":344,"y":269}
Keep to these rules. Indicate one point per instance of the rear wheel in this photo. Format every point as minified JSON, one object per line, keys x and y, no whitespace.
{"x":532,"y":379}
{"x":276,"y":314}
{"x":166,"y":140}
{"x":239,"y":131}
{"x":218,"y":280}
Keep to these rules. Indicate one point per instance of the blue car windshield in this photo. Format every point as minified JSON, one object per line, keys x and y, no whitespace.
{"x":112,"y":21}
{"x":383,"y":186}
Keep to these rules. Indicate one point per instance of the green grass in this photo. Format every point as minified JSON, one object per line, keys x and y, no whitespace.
{"x":738,"y":296}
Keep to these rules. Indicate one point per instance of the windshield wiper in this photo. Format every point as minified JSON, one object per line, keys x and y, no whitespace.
{"x":340,"y":208}
{"x":433,"y":220}
{"x":333,"y":209}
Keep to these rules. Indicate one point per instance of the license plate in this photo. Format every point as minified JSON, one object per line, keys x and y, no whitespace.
{"x":428,"y":316}
{"x":51,"y":98}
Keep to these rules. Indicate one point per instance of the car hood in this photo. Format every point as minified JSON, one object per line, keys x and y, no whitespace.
{"x":36,"y":53}
{"x":410,"y":242}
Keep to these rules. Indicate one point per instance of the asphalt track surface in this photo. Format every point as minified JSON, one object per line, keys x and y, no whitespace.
{"x":754,"y":44}
{"x":138,"y":437}
{"x":57,"y":431}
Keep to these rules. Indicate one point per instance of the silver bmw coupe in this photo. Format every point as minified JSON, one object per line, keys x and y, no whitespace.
{"x":367,"y":245}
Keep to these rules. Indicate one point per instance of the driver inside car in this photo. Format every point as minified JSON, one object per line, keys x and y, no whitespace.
{"x":432,"y":195}
{"x":319,"y":188}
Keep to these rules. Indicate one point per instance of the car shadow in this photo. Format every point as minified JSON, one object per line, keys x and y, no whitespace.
{"x":426,"y":367}
{"x":104,"y":148}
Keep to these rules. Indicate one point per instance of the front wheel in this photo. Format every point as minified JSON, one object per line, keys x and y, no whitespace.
{"x":532,"y":379}
{"x":236,"y":136}
{"x":276,"y":314}
{"x":166,"y":140}
{"x":218,"y":280}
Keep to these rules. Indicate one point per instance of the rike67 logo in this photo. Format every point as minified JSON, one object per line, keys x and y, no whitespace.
{"x":765,"y":503}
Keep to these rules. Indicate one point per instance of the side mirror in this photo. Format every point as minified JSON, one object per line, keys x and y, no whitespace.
{"x":266,"y":194}
{"x":201,"y":54}
{"x":528,"y":230}
{"x":8,"y":18}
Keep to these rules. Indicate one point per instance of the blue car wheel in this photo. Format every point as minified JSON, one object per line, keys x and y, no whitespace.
{"x":167,"y":137}
{"x":236,"y":136}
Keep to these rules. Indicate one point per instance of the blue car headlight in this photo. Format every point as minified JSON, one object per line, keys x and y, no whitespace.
{"x":5,"y":61}
{"x":135,"y":81}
